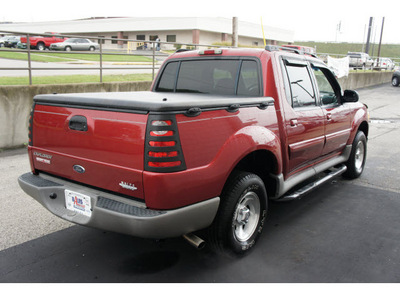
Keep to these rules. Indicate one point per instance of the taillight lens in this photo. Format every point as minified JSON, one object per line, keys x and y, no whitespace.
{"x":163,"y":154}
{"x":162,"y":133}
{"x":162,"y":144}
{"x":163,"y":151}
{"x":210,"y":52}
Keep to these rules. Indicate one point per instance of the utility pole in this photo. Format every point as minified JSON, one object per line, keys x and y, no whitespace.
{"x":369,"y":35}
{"x":235,"y":35}
{"x":380,"y":40}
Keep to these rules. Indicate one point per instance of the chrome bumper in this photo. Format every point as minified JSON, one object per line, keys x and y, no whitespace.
{"x":118,"y":214}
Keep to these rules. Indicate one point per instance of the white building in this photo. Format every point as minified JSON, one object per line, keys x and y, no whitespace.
{"x":180,"y":30}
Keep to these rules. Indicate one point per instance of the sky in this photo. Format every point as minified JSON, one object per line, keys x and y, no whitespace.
{"x":311,"y":20}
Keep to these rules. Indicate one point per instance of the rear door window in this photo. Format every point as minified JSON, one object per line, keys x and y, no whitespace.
{"x":300,"y":85}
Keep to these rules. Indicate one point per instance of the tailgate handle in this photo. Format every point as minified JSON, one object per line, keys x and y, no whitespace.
{"x":78,"y":123}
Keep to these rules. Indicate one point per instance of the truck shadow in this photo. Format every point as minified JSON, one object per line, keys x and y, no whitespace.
{"x":298,"y":245}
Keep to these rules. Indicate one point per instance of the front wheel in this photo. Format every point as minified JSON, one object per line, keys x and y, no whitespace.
{"x":395,"y":81}
{"x":355,"y":164}
{"x":241,"y":215}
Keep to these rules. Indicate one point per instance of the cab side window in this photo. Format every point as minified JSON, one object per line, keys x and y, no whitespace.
{"x":299,"y":81}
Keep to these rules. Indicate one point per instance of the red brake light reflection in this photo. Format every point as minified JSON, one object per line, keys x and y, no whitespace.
{"x":164,"y":164}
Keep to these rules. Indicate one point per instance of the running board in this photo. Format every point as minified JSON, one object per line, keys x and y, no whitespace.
{"x":311,"y":186}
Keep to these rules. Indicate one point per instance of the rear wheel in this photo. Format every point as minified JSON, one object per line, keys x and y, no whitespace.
{"x":40,"y":46}
{"x":241,"y":215}
{"x":355,"y":164}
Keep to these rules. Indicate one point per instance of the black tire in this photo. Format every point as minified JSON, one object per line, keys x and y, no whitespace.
{"x":91,"y":49}
{"x":68,"y":48}
{"x":395,"y":81}
{"x":40,"y":46}
{"x":355,"y":164}
{"x":241,"y":215}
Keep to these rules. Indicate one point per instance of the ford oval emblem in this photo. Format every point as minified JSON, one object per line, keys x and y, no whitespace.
{"x":79,"y":169}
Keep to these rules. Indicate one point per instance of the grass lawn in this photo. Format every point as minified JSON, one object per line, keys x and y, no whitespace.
{"x":73,"y":79}
{"x":70,"y":56}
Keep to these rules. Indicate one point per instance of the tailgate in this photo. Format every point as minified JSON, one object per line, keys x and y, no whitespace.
{"x":100,"y":148}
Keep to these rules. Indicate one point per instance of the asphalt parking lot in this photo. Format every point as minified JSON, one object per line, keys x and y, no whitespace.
{"x":346,"y":231}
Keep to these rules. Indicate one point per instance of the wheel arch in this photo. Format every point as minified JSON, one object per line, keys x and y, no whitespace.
{"x":262,"y":163}
{"x":364,"y":127}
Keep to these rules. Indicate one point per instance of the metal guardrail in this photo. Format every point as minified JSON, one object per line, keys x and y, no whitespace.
{"x":151,"y":45}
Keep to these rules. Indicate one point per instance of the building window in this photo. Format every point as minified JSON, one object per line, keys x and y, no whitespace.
{"x":141,"y":37}
{"x":114,"y":41}
{"x":125,"y":37}
{"x":101,"y":40}
{"x":255,"y":43}
{"x":153,"y":37}
{"x":171,"y":38}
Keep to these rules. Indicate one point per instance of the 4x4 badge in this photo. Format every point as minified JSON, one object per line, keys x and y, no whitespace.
{"x":128,"y":186}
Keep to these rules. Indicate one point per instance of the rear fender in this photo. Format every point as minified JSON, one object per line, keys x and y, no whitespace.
{"x":248,"y":140}
{"x":205,"y":182}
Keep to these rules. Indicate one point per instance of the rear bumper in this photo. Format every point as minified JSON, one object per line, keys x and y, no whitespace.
{"x":118,"y":214}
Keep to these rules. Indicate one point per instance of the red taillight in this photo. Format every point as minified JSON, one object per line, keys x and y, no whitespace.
{"x":162,"y":144}
{"x":163,"y":152}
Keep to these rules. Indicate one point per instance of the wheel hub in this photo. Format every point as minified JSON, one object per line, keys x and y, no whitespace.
{"x":359,"y":156}
{"x":243,"y":216}
{"x":246,"y":218}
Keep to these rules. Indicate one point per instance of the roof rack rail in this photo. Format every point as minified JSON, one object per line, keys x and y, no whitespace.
{"x":182,"y":50}
{"x":271,"y":48}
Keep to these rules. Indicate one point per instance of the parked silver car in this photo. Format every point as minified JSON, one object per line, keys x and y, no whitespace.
{"x":6,"y":41}
{"x":76,"y":44}
{"x":384,"y":63}
{"x":360,"y":60}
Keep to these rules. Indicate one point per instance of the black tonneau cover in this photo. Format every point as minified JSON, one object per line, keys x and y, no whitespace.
{"x":151,"y":101}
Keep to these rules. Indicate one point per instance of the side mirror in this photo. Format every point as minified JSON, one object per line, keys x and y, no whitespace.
{"x":350,"y":96}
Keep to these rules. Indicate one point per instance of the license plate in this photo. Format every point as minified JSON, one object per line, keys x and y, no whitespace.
{"x":78,"y":202}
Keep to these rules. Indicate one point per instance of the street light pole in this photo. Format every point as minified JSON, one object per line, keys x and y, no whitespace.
{"x":235,"y":34}
{"x":380,"y":41}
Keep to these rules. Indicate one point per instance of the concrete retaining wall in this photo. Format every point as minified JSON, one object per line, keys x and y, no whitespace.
{"x":16,"y":101}
{"x":364,"y":79}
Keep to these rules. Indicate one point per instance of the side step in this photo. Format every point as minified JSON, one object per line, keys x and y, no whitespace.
{"x":333,"y":172}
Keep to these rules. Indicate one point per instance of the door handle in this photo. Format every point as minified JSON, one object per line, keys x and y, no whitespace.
{"x":78,"y":123}
{"x":329,"y":117}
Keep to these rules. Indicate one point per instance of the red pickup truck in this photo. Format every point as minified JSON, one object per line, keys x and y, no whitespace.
{"x":220,"y":134}
{"x":41,"y":42}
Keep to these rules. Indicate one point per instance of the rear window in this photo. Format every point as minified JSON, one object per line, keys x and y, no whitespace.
{"x":224,"y":77}
{"x":358,"y":55}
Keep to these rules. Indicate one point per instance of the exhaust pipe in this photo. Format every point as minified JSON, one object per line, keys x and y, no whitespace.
{"x":194,"y":240}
